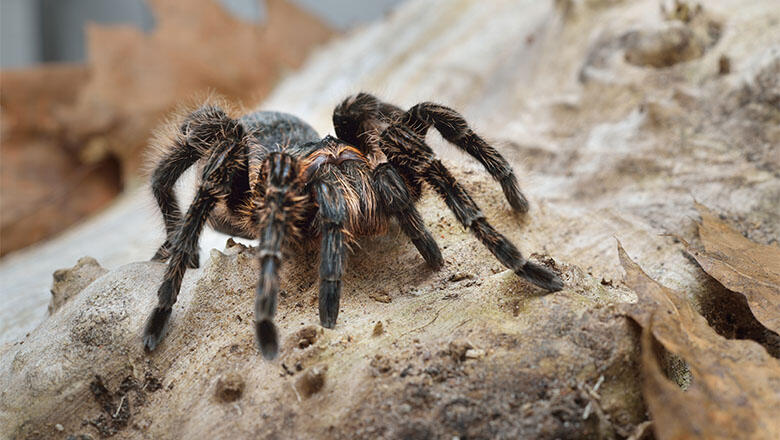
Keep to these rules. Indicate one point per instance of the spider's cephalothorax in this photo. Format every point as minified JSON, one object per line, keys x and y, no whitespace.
{"x":269,"y":176}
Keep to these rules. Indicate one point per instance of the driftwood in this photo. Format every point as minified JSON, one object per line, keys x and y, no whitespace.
{"x":614,"y":137}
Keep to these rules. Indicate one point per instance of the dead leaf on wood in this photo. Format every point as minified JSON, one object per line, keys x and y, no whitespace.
{"x":735,"y":391}
{"x":741,"y":265}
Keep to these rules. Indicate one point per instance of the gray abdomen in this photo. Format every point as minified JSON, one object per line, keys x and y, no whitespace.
{"x":275,"y":130}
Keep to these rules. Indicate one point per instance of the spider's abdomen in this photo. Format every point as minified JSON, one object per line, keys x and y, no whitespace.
{"x":275,"y":130}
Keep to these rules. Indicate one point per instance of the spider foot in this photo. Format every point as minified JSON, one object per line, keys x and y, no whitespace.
{"x":163,"y":253}
{"x":541,"y":276}
{"x":514,"y":196}
{"x":330,"y":293}
{"x":155,"y":328}
{"x":267,"y":338}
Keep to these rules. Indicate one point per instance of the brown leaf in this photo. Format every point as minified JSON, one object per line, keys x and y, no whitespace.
{"x":73,"y":134}
{"x":741,"y":265}
{"x":32,"y":97}
{"x":197,"y":47}
{"x":43,"y":188}
{"x":666,"y":399}
{"x":735,"y":390}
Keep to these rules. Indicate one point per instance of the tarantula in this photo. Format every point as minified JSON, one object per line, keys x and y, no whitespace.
{"x":269,"y":176}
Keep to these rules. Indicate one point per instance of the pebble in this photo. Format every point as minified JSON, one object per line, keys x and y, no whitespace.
{"x":379,"y":328}
{"x":230,"y":387}
{"x":460,"y":276}
{"x":474,"y":353}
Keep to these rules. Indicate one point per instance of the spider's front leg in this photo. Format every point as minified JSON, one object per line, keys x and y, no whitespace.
{"x":332,"y":216}
{"x":283,"y":204}
{"x":224,"y":161}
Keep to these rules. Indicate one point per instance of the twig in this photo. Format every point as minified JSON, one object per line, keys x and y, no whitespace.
{"x":119,"y":407}
{"x":640,"y":430}
{"x":425,"y":325}
{"x":292,"y":385}
{"x":461,"y":324}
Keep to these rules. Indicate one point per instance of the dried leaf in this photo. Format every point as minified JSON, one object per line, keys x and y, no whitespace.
{"x":196,"y":47}
{"x":741,"y":265}
{"x":666,"y":399}
{"x":44,"y":190}
{"x":39,"y":178}
{"x":735,"y":390}
{"x":70,"y":133}
{"x":32,"y":97}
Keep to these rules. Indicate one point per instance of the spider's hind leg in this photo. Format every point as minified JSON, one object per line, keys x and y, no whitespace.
{"x":193,"y":140}
{"x":223,"y":163}
{"x":454,"y":128}
{"x":164,"y":178}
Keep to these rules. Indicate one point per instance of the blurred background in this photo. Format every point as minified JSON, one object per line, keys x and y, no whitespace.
{"x":44,"y":31}
{"x":85,"y":81}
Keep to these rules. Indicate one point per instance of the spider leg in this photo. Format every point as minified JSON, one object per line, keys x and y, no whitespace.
{"x":395,"y":199}
{"x":189,"y":145}
{"x":282,"y":204}
{"x":405,"y":148}
{"x":454,"y":128}
{"x":222,"y":163}
{"x":164,"y":178}
{"x":332,"y":216}
{"x":358,"y":117}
